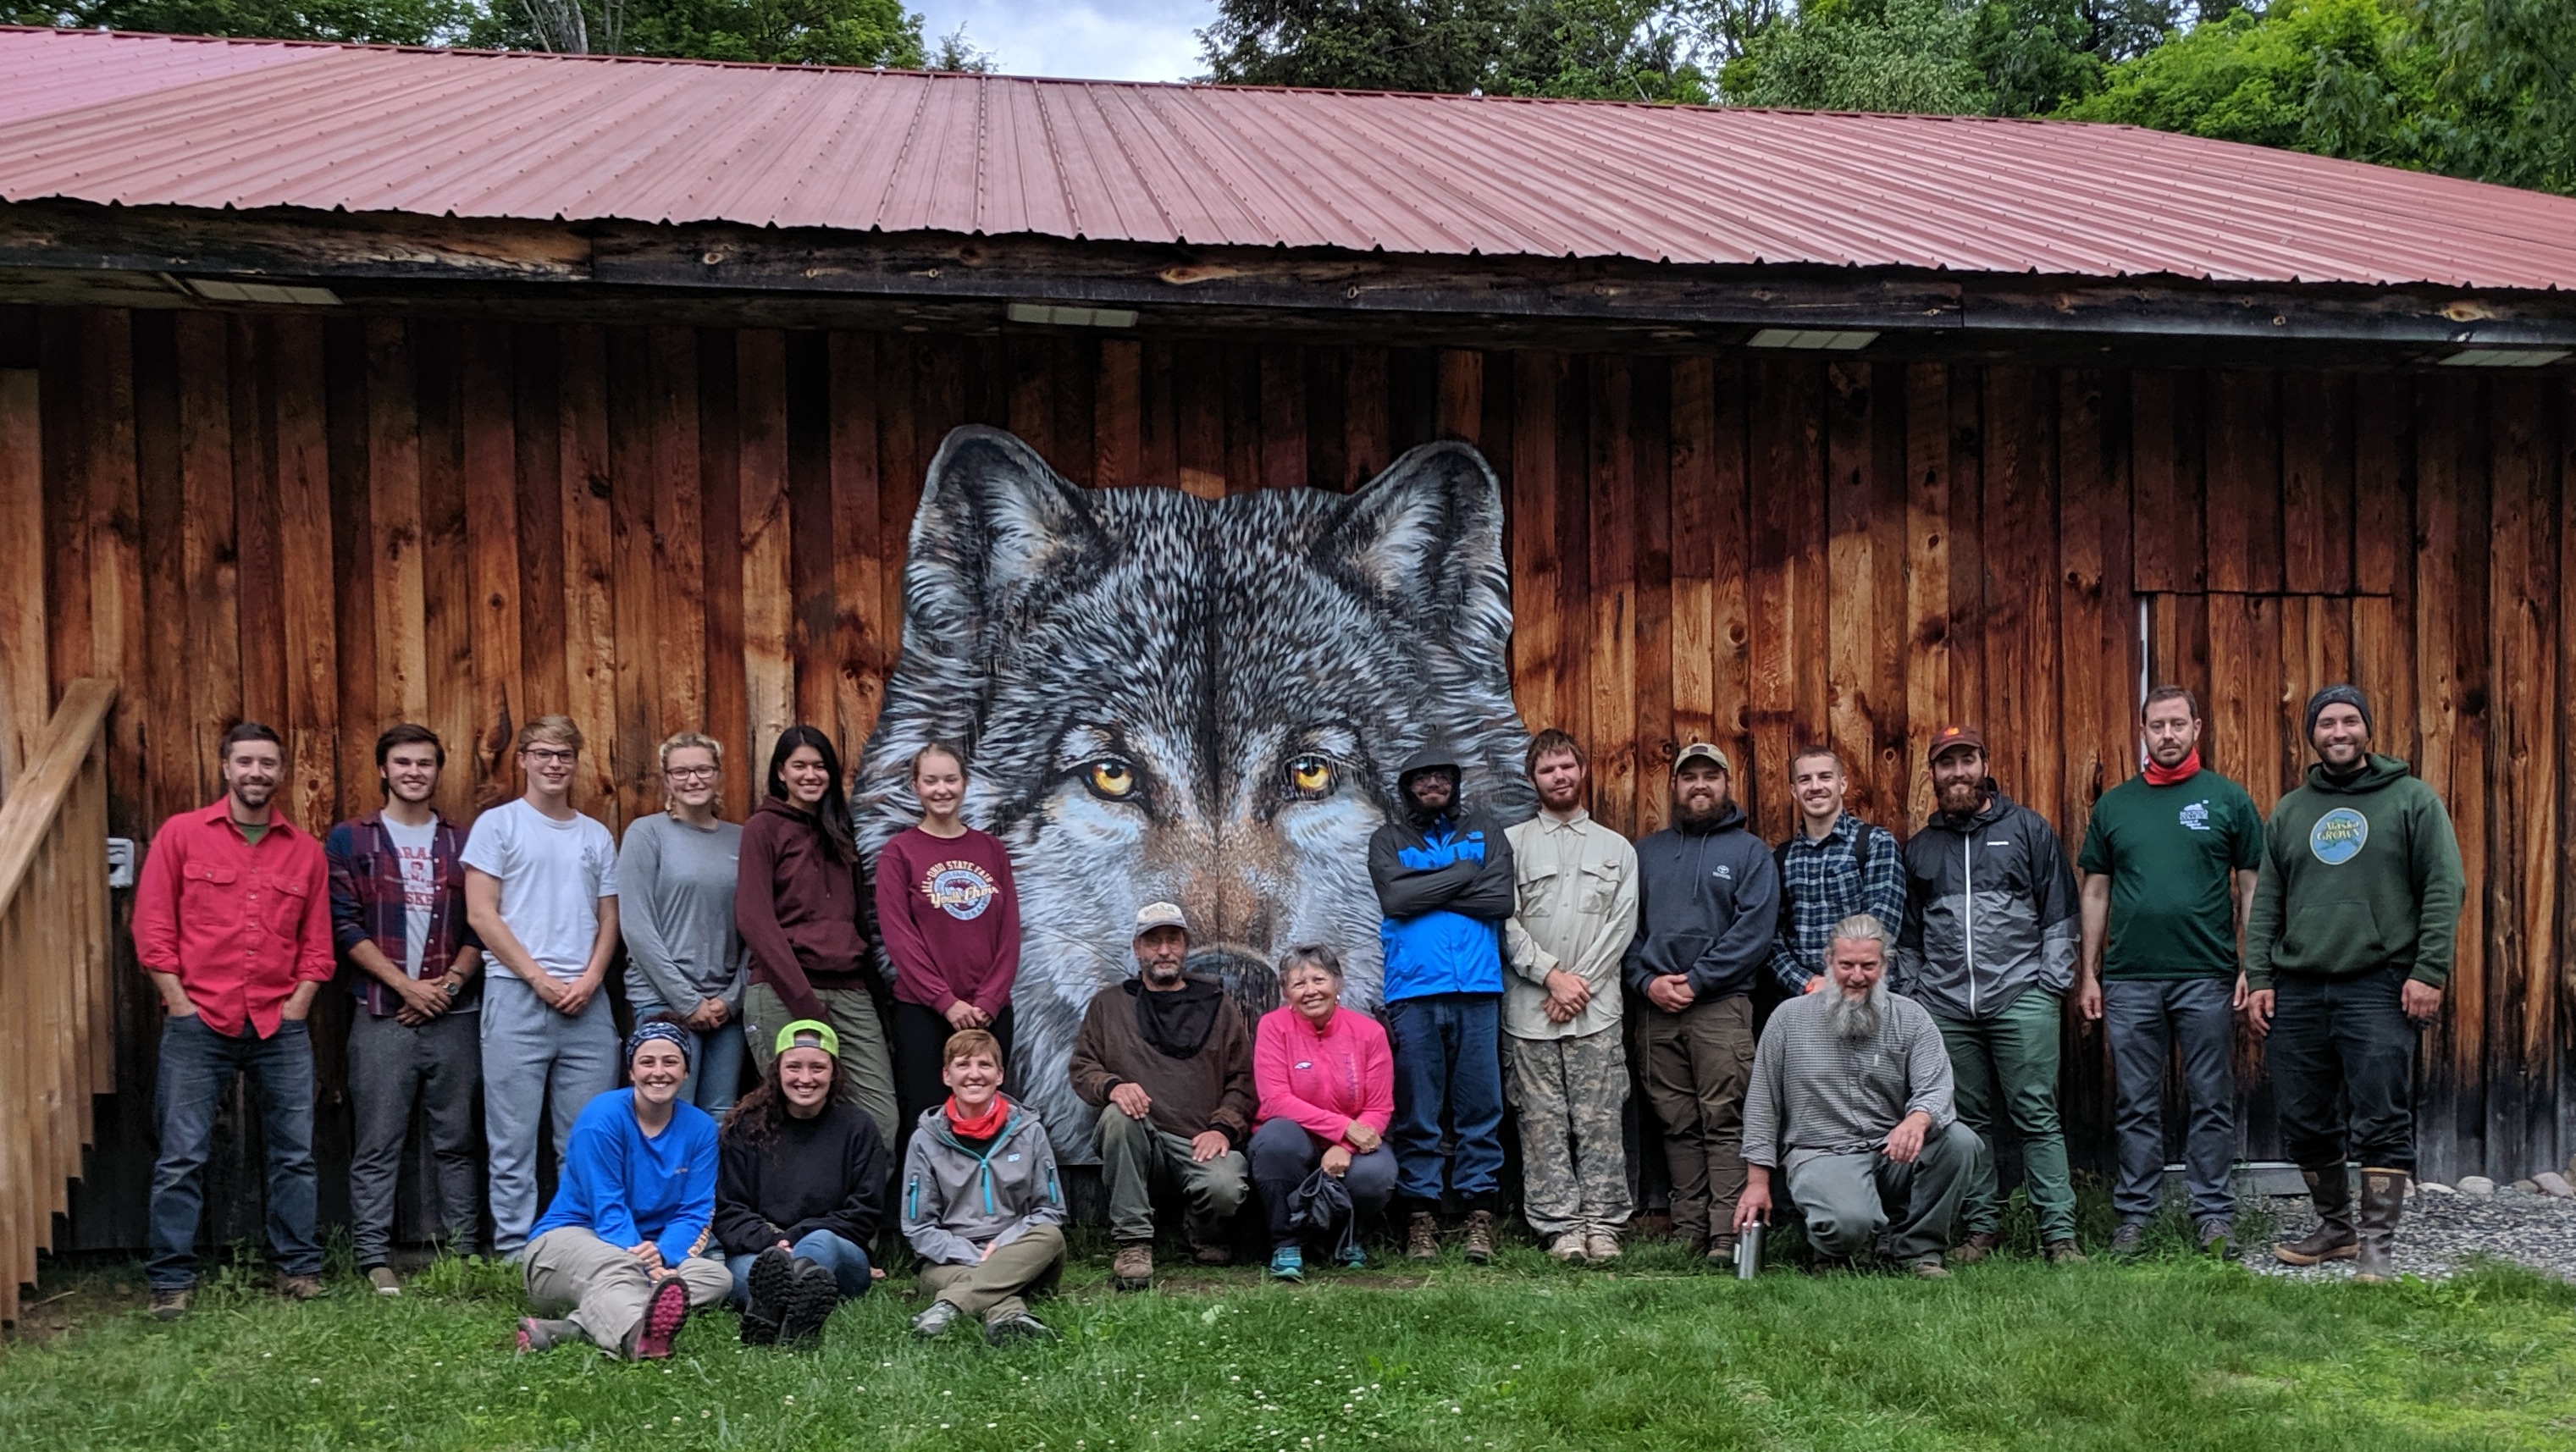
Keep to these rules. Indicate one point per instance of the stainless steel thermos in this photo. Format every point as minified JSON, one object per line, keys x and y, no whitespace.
{"x":1748,"y":1252}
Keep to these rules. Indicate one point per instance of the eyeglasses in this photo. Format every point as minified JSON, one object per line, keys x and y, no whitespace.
{"x":690,"y":773}
{"x":549,"y":753}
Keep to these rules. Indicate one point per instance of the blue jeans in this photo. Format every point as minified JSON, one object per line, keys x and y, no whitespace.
{"x":715,"y":1065}
{"x":1448,"y":1073}
{"x":2146,"y":1020}
{"x":843,"y":1257}
{"x":197,"y":1069}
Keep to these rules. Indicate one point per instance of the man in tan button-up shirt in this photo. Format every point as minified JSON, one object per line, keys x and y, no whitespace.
{"x":1563,"y":1064}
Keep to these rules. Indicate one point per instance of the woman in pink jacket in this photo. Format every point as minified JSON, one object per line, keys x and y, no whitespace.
{"x":1327,"y":1086}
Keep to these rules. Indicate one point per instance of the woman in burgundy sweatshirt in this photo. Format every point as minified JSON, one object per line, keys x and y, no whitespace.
{"x":950,"y":917}
{"x":797,"y":907}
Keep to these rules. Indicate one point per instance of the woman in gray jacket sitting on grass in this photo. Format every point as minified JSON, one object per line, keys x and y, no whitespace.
{"x":981,"y":1205}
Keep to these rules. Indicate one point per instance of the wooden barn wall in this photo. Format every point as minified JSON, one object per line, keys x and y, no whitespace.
{"x":334,"y":523}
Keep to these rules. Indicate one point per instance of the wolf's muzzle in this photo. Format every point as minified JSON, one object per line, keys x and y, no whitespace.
{"x":1248,"y":977}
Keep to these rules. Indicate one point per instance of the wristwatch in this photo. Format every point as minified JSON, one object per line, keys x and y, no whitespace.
{"x":452,"y":986}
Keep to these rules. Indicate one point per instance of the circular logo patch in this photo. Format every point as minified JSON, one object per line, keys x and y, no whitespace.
{"x":2338,"y":836}
{"x":960,"y":889}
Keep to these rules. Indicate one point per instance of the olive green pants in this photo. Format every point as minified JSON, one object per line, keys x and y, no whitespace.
{"x":2008,"y":1061}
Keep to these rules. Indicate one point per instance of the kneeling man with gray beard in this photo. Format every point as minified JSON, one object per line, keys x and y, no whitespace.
{"x":1851,"y":1101}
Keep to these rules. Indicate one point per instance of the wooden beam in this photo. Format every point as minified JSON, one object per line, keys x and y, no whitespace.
{"x":26,"y":694}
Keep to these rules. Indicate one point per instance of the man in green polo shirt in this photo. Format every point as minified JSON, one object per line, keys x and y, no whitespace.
{"x":2169,"y":867}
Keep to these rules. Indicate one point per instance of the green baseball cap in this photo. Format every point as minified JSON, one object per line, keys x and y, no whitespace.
{"x":808,"y":1033}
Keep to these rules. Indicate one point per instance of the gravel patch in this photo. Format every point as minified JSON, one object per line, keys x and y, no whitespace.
{"x":2442,"y":1232}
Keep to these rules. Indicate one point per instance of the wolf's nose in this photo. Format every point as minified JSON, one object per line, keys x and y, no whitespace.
{"x":1248,"y":978}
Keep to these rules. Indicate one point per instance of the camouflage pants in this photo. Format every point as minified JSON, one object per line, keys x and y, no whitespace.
{"x":1571,"y":1093}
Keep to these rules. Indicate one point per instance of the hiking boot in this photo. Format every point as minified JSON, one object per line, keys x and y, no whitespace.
{"x":1288,"y":1263}
{"x":662,"y":1320}
{"x":758,"y":1330}
{"x":773,"y":1271}
{"x":2330,"y":1190}
{"x":1975,"y":1248}
{"x":2217,"y":1236}
{"x":1480,"y":1236}
{"x":1929,"y":1268}
{"x":1567,"y":1248}
{"x":810,"y":1299}
{"x":2124,"y":1241}
{"x":1601,"y":1247}
{"x":382,"y":1277}
{"x":2064,"y":1252}
{"x":298,"y":1288}
{"x":937,"y":1317}
{"x":1721,"y":1251}
{"x":1422,"y":1236}
{"x":1213,"y":1253}
{"x":2383,"y":1202}
{"x":1017,"y":1326}
{"x":540,"y":1333}
{"x":169,"y":1303}
{"x":1133,"y":1267}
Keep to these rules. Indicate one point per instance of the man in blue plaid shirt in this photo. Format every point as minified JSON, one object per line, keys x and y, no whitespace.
{"x":1833,"y":866}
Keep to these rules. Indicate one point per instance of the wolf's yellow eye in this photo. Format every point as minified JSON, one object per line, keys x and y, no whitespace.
{"x":1310,"y":775}
{"x":1111,"y":778}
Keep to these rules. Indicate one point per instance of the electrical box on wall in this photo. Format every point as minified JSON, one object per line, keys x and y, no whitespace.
{"x":120,"y":862}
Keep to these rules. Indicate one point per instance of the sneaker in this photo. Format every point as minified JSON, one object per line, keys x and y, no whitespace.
{"x":810,"y":1300}
{"x":1351,"y":1257}
{"x":1133,"y":1268}
{"x":1929,"y":1268}
{"x":1975,"y":1248}
{"x":1567,"y":1248}
{"x":1601,"y":1247}
{"x":937,"y":1318}
{"x":2217,"y":1235}
{"x":773,"y":1272}
{"x":382,"y":1277}
{"x":1212,"y":1254}
{"x":299,"y":1288}
{"x":662,"y":1320}
{"x":2124,"y":1241}
{"x":1422,"y":1236}
{"x":2064,"y":1252}
{"x":539,"y":1333}
{"x":1288,"y":1263}
{"x":1017,"y":1326}
{"x":1480,"y":1236}
{"x":169,"y":1303}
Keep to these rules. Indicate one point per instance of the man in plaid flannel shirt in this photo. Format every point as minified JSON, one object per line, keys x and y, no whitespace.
{"x":1833,"y":866}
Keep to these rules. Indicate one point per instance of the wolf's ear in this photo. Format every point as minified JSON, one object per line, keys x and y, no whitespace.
{"x":995,"y":523}
{"x":1425,"y":539}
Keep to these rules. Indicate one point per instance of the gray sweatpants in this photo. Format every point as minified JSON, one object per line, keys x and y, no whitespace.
{"x":1848,"y":1200}
{"x":604,"y":1289}
{"x":994,"y":1290}
{"x":390,"y":1067}
{"x":533,"y":1055}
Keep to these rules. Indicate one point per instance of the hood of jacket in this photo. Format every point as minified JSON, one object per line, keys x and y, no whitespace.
{"x":2377,"y":772}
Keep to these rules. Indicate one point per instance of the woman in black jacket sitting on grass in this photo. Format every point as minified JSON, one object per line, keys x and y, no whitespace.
{"x":799,"y":1191}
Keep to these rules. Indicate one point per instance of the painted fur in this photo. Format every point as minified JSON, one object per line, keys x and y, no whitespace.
{"x":1169,"y":697}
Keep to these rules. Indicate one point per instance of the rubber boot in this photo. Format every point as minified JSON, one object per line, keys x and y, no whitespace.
{"x":2383,"y":1201}
{"x":2331,"y":1191}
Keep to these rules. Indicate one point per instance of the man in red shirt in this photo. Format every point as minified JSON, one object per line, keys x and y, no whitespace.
{"x":233,"y":921}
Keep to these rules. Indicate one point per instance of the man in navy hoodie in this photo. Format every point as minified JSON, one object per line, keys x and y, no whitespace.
{"x":1708,"y":907}
{"x":1443,"y":874}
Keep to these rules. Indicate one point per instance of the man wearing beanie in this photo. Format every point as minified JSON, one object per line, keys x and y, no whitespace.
{"x":2346,"y":952}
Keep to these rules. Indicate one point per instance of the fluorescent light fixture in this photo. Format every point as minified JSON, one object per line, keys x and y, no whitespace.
{"x":1827,"y":340}
{"x":1065,"y":317}
{"x":215,"y":289}
{"x":2504,"y":357}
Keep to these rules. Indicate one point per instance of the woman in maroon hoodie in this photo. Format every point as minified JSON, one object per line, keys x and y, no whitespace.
{"x":797,"y":907}
{"x":950,"y":917}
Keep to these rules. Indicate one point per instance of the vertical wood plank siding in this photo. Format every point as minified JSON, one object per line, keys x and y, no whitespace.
{"x":654,"y":529}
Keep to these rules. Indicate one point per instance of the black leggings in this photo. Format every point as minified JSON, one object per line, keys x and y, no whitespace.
{"x":920,"y":1037}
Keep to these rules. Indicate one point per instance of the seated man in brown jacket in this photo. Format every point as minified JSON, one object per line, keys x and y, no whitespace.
{"x":1168,"y":1059}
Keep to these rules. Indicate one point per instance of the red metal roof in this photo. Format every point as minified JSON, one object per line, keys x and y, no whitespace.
{"x":158,"y":120}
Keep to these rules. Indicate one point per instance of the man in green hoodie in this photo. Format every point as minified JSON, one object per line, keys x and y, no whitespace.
{"x":2346,"y":951}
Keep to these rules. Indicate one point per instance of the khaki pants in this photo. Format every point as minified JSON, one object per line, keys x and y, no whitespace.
{"x":606,"y":1289}
{"x":1574,"y":1160}
{"x":1027,"y":1266}
{"x":1133,"y":1151}
{"x":867,"y":1070}
{"x":1698,"y":1064}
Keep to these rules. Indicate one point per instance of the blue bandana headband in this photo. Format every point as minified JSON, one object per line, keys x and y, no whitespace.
{"x":652,"y":1029}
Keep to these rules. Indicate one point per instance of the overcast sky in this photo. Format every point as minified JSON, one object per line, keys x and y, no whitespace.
{"x":1141,"y":40}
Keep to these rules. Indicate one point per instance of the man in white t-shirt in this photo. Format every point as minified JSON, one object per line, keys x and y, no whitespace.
{"x":541,"y":892}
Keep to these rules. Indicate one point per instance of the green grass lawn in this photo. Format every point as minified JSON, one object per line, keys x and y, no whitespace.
{"x":2165,"y":1353}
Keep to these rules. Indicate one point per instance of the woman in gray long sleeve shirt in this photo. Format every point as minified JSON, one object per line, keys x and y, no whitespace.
{"x":675,"y":877}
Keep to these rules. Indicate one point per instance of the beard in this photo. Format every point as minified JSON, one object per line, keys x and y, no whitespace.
{"x":1857,"y":1020}
{"x":1697,"y":820}
{"x":1424,"y":816}
{"x":1162,"y":975}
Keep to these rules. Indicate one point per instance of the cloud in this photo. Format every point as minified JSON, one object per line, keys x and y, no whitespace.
{"x":1118,"y":40}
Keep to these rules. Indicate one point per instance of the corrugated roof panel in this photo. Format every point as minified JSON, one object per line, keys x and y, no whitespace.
{"x":166,"y":121}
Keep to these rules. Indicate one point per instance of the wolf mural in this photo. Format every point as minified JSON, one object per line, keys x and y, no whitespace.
{"x":1196,"y":700}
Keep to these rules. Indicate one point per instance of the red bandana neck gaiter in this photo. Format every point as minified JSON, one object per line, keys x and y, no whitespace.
{"x":2183,"y":770}
{"x":982,"y":1126}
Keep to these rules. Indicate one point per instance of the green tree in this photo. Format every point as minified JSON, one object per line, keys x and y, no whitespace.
{"x":1630,"y":49}
{"x":778,"y":32}
{"x":1864,"y":55}
{"x":2336,"y":77}
{"x":393,"y":22}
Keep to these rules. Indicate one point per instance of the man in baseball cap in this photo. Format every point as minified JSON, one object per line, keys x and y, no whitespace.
{"x":1167,"y":1060}
{"x":1992,"y":925}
